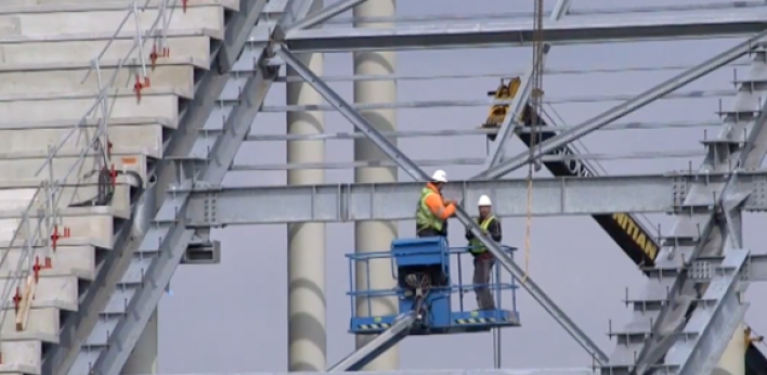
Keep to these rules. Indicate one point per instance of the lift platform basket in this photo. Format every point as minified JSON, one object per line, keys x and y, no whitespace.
{"x":427,"y":283}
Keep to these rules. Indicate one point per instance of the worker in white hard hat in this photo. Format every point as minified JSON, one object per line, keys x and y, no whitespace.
{"x":433,"y":210}
{"x":483,"y":259}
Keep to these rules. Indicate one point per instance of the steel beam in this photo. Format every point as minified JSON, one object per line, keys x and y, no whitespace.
{"x":561,"y":157}
{"x":392,"y":201}
{"x":621,"y":110}
{"x":693,"y":94}
{"x":172,"y":235}
{"x":559,"y":70}
{"x":470,"y":132}
{"x":701,"y":269}
{"x":573,"y":29}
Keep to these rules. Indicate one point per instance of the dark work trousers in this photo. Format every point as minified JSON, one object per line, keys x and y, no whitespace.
{"x":431,"y":232}
{"x":483,"y":268}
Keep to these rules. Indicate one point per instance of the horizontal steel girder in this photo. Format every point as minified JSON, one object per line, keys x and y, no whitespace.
{"x":569,"y":30}
{"x":396,"y":201}
{"x":703,"y":269}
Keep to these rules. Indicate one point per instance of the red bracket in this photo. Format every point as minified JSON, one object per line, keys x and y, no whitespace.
{"x":113,"y":176}
{"x":140,"y":85}
{"x":17,"y":299}
{"x":56,"y":236}
{"x":36,"y":269}
{"x":155,"y":55}
{"x":183,"y":4}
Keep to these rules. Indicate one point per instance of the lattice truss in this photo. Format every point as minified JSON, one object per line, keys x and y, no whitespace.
{"x":697,"y":268}
{"x":683,"y":321}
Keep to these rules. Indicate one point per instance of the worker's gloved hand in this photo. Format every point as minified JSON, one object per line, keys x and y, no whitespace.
{"x":449,"y":202}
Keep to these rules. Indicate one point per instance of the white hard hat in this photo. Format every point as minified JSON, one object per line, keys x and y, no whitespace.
{"x":484,"y":201}
{"x":439,"y":176}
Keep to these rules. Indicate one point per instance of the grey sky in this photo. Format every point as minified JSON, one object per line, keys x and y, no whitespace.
{"x":233,"y":317}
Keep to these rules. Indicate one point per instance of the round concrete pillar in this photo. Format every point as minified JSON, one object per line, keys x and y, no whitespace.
{"x":375,"y":235}
{"x":307,"y":343}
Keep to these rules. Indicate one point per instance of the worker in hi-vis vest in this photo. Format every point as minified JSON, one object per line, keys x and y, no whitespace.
{"x":483,"y":259}
{"x":433,"y":210}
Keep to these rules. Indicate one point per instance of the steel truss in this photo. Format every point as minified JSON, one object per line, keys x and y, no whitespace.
{"x":324,"y":40}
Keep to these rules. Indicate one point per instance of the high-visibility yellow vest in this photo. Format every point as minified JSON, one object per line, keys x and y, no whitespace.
{"x":477,"y":247}
{"x":424,"y":218}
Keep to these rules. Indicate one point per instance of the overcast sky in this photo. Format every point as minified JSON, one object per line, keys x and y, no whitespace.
{"x":233,"y":317}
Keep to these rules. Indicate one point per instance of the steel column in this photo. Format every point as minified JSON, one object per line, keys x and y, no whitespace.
{"x":461,"y":214}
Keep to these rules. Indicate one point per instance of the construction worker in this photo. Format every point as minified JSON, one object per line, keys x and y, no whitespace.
{"x":483,"y":259}
{"x":433,"y":210}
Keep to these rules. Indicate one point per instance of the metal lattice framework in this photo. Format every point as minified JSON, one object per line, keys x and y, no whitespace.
{"x":711,"y":198}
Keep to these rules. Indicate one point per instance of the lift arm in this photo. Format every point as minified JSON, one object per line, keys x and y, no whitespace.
{"x":366,"y":354}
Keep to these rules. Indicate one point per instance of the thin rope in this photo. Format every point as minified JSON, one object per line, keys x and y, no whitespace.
{"x":528,"y":221}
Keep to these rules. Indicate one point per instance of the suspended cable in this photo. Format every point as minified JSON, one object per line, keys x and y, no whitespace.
{"x":536,"y":96}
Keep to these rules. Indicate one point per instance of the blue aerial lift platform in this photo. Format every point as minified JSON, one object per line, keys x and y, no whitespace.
{"x":426,"y":291}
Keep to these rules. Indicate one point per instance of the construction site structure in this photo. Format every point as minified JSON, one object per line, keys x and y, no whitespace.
{"x":120,"y":119}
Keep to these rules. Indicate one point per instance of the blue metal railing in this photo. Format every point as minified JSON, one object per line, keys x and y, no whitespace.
{"x":496,"y":285}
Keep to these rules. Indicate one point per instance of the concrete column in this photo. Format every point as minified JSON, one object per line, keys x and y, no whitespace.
{"x":376,"y":236}
{"x":307,"y":343}
{"x":733,"y":360}
{"x":143,"y":359}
